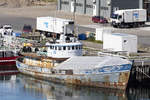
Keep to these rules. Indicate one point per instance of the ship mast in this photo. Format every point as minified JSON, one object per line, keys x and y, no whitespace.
{"x":74,"y":18}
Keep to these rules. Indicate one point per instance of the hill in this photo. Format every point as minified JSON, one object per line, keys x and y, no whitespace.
{"x":21,"y":3}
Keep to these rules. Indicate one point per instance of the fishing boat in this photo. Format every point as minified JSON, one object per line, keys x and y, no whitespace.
{"x":62,"y":61}
{"x":7,"y":58}
{"x":8,"y":55}
{"x":8,"y":50}
{"x":8,"y":62}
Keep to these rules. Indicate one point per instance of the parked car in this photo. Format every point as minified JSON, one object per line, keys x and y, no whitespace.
{"x":99,"y":19}
{"x":27,"y":29}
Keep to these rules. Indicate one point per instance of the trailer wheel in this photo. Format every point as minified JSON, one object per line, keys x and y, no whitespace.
{"x":142,"y":24}
{"x":136,"y":25}
{"x":115,"y":26}
{"x":121,"y":25}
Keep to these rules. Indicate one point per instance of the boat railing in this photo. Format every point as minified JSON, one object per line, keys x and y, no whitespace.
{"x":40,"y":53}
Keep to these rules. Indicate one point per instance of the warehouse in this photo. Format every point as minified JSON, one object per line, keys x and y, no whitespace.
{"x":97,"y":7}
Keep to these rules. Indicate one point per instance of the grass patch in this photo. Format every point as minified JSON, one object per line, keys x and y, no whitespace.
{"x":50,"y":0}
{"x":98,"y":41}
{"x":92,"y":39}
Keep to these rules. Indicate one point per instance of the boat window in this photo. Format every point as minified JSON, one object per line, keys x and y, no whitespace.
{"x":1,"y":54}
{"x":50,"y":47}
{"x":9,"y":54}
{"x":68,"y":47}
{"x":59,"y":48}
{"x":64,"y":47}
{"x":55,"y":48}
{"x":76,"y":47}
{"x":79,"y":47}
{"x":69,"y":72}
{"x":72,"y":47}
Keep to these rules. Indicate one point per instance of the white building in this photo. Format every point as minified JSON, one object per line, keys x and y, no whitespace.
{"x":98,"y":7}
{"x":120,"y":42}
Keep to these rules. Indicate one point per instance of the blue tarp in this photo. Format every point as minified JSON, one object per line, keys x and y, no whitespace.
{"x":82,"y":36}
{"x":17,"y":34}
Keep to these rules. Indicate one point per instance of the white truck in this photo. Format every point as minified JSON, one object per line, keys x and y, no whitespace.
{"x":129,"y":18}
{"x":54,"y":25}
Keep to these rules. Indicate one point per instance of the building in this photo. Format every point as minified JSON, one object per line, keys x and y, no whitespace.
{"x":99,"y":7}
{"x":146,"y":5}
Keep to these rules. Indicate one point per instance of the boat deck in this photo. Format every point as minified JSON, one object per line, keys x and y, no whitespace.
{"x":40,"y":57}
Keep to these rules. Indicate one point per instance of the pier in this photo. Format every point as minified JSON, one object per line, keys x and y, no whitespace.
{"x":140,"y":72}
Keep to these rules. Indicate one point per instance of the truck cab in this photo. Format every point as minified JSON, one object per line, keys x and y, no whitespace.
{"x":117,"y":18}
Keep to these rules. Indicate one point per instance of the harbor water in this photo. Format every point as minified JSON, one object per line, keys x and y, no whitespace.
{"x":22,"y":87}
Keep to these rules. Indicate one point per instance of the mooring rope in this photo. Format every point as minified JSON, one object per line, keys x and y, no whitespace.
{"x":139,"y":70}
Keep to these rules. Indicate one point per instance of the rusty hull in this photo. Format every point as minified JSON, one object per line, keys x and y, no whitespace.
{"x":121,"y":84}
{"x":82,"y":80}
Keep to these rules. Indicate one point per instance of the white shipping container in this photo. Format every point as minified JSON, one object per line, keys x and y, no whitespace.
{"x":128,"y":16}
{"x":120,"y":42}
{"x":100,"y":32}
{"x":56,"y":25}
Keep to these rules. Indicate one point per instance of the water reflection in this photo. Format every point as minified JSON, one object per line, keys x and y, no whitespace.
{"x":138,"y":93}
{"x":3,"y":77}
{"x":12,"y":88}
{"x":23,"y":87}
{"x":54,"y":91}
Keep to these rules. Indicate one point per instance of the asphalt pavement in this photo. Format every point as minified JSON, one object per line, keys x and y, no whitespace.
{"x":17,"y":22}
{"x":143,"y":33}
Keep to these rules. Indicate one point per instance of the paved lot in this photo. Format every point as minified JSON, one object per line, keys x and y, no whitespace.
{"x":27,"y":15}
{"x":16,"y":21}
